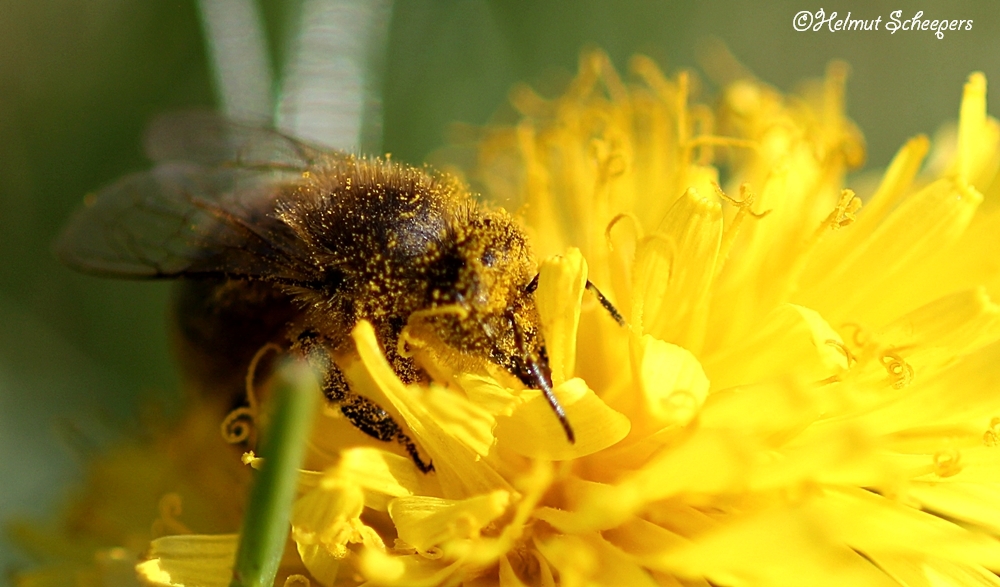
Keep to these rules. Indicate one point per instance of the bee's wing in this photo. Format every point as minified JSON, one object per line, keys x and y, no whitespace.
{"x":206,"y":208}
{"x":205,"y":137}
{"x":184,"y":218}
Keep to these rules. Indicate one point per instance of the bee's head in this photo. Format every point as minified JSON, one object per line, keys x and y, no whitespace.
{"x":492,"y":271}
{"x":485,"y":274}
{"x":497,"y":264}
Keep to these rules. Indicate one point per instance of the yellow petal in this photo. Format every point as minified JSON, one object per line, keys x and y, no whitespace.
{"x":466,"y":422}
{"x":424,"y":521}
{"x":977,"y":504}
{"x":322,"y":564}
{"x":948,"y":327}
{"x":840,"y":455}
{"x":377,"y":472}
{"x":961,"y":394}
{"x":897,"y":179}
{"x":977,"y":134}
{"x":978,"y":461}
{"x":872,"y":523}
{"x":486,"y":393}
{"x":533,"y":565}
{"x":561,"y":282}
{"x":710,"y":461}
{"x":965,"y":265}
{"x":923,"y":225}
{"x":706,"y":462}
{"x":508,"y":578}
{"x":382,"y":568}
{"x":190,"y":560}
{"x":775,"y":548}
{"x":791,"y":407}
{"x":652,"y":271}
{"x":790,"y":340}
{"x":329,"y":516}
{"x":766,"y":259}
{"x":672,"y":381}
{"x":534,"y":431}
{"x":590,"y":560}
{"x":674,"y":306}
{"x":459,"y":467}
{"x":932,"y":572}
{"x":403,"y":571}
{"x":644,"y":540}
{"x":895,"y":185}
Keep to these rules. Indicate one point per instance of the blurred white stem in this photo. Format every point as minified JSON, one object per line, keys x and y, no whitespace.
{"x":238,"y":54}
{"x":330,"y":92}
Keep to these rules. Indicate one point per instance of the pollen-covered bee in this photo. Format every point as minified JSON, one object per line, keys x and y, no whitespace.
{"x":281,"y":242}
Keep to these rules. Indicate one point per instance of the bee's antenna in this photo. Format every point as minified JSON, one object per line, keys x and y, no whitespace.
{"x":536,"y":371}
{"x":542,"y":379}
{"x":605,"y":303}
{"x":532,"y":285}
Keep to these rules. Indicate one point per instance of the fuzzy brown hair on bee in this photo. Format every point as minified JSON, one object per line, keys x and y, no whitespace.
{"x":280,"y":242}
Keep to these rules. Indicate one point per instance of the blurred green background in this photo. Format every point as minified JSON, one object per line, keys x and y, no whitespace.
{"x":79,"y":79}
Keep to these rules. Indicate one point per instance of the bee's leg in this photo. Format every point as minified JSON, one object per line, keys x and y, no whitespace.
{"x":605,"y":303}
{"x":367,"y":416}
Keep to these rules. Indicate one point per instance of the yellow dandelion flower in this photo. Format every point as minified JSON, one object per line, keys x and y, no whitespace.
{"x":805,"y":391}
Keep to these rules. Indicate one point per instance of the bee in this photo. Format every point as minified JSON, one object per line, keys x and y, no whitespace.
{"x":277,"y":241}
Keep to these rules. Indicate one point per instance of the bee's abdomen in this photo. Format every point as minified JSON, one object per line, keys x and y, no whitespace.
{"x":220,"y":326}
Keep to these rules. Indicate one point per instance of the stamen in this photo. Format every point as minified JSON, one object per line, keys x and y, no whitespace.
{"x":747,"y":199}
{"x":702,"y":124}
{"x":252,"y":373}
{"x":844,"y":214}
{"x":683,"y":132}
{"x":743,"y":208}
{"x":169,"y":509}
{"x":611,"y":163}
{"x":947,"y":463}
{"x":900,"y":372}
{"x":250,"y":458}
{"x":240,"y":424}
{"x":843,"y":348}
{"x":649,"y":72}
{"x":851,"y":360}
{"x":612,"y":81}
{"x":610,"y":160}
{"x":992,"y":435}
{"x":858,"y":332}
{"x":636,"y":225}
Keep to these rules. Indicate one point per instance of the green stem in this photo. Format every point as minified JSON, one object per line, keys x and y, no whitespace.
{"x":266,"y":524}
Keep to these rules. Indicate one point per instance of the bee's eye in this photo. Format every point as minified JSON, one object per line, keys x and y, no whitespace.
{"x":489,"y":257}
